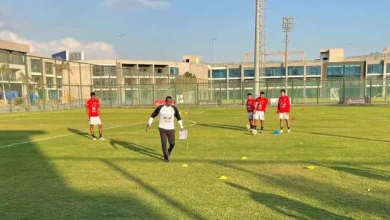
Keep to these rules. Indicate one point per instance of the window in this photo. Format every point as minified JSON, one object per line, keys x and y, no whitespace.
{"x":374,"y":69}
{"x":109,"y":71}
{"x":36,"y":65}
{"x":174,"y":71}
{"x":96,"y":71}
{"x":159,"y":71}
{"x":219,"y":74}
{"x":275,"y":71}
{"x":388,"y":68}
{"x":295,"y":71}
{"x":9,"y":76}
{"x":4,"y":56}
{"x":49,"y":81}
{"x":59,"y":83}
{"x":249,"y":72}
{"x":352,"y":71}
{"x":17,"y":58}
{"x":344,"y":70}
{"x":313,"y":70}
{"x":235,"y":72}
{"x":49,"y":68}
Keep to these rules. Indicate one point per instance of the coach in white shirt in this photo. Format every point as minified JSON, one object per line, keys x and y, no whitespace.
{"x":166,"y":126}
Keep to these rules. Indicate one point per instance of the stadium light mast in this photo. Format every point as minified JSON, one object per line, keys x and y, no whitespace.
{"x":259,"y":44}
{"x":287,"y":27}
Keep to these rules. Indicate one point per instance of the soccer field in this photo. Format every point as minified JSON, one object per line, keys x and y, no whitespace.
{"x":51,"y":169}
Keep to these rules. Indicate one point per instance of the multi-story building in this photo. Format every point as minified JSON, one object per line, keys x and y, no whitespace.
{"x":35,"y":77}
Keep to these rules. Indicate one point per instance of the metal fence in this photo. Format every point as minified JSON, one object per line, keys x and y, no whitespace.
{"x":24,"y":97}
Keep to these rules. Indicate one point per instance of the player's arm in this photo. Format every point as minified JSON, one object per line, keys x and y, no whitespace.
{"x":154,"y":115}
{"x":178,"y":117}
{"x":277,"y":111}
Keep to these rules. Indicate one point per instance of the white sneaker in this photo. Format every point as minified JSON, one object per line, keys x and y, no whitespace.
{"x":94,"y":139}
{"x":288,"y":131}
{"x":281,"y":131}
{"x":102,"y":139}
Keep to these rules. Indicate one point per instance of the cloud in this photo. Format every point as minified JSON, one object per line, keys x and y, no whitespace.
{"x":126,"y":4}
{"x":92,"y":50}
{"x":7,"y":22}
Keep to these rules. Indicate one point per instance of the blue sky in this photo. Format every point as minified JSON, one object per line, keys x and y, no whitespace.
{"x":174,"y":28}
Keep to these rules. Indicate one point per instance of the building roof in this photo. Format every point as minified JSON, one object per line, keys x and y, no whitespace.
{"x":24,"y":48}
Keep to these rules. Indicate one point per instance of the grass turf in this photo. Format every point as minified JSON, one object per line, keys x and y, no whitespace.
{"x":50,"y":169}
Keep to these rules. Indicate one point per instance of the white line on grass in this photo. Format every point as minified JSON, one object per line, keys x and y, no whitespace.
{"x":59,"y":136}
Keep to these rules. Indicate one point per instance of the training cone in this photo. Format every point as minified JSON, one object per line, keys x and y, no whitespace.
{"x":117,"y":138}
{"x":276,"y":132}
{"x":189,"y":113}
{"x":223,"y":177}
{"x":310,"y":167}
{"x":244,"y":158}
{"x":293,"y":118}
{"x":184,"y":165}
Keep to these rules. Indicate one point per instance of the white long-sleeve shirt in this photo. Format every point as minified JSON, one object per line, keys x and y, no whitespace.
{"x":167,"y":115}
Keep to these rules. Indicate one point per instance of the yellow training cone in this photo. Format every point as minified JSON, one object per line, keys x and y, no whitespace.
{"x":184,"y":165}
{"x":223,"y":177}
{"x":310,"y":167}
{"x":244,"y":158}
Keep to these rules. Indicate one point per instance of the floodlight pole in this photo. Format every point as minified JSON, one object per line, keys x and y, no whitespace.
{"x":259,"y":45}
{"x":287,"y":27}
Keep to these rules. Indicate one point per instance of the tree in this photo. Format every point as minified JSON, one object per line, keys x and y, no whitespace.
{"x":4,"y":69}
{"x":25,"y":78}
{"x":184,"y":79}
{"x":61,"y":68}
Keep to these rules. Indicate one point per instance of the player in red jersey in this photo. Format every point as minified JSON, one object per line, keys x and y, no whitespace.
{"x":250,"y":108}
{"x":260,"y":109}
{"x":93,"y":116}
{"x":284,"y":107}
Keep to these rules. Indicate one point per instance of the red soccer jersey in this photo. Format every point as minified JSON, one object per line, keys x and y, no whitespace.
{"x":93,"y":106}
{"x":261,"y":104}
{"x":284,"y":104}
{"x":250,"y":105}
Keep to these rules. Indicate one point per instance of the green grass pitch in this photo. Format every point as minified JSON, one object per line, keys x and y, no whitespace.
{"x":51,"y":169}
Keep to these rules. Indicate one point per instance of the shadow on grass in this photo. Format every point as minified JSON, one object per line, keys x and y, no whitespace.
{"x":80,"y":133}
{"x":228,"y":127}
{"x":33,"y":188}
{"x":324,"y":192}
{"x":136,"y":148}
{"x":154,"y":191}
{"x":362,"y":172}
{"x":288,"y":207}
{"x":342,"y":136}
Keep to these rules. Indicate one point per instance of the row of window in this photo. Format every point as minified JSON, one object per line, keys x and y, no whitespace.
{"x":269,"y":71}
{"x":333,"y":71}
{"x":12,"y":58}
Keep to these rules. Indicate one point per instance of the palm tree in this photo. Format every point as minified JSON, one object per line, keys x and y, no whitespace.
{"x":25,"y":78}
{"x":61,"y":68}
{"x":3,"y":70}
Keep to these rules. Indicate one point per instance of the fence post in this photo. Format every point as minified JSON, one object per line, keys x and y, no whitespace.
{"x":28,"y":82}
{"x":242,"y":93}
{"x":292,"y":92}
{"x":197,"y":93}
{"x":318,"y":91}
{"x":81,"y":87}
{"x":370,"y":89}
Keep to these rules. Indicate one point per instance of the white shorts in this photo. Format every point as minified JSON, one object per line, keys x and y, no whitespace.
{"x":284,"y":116}
{"x":95,"y":120}
{"x":250,"y":115}
{"x":259,"y":115}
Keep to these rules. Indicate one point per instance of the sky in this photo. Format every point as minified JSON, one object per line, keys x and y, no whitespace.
{"x":169,"y":29}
